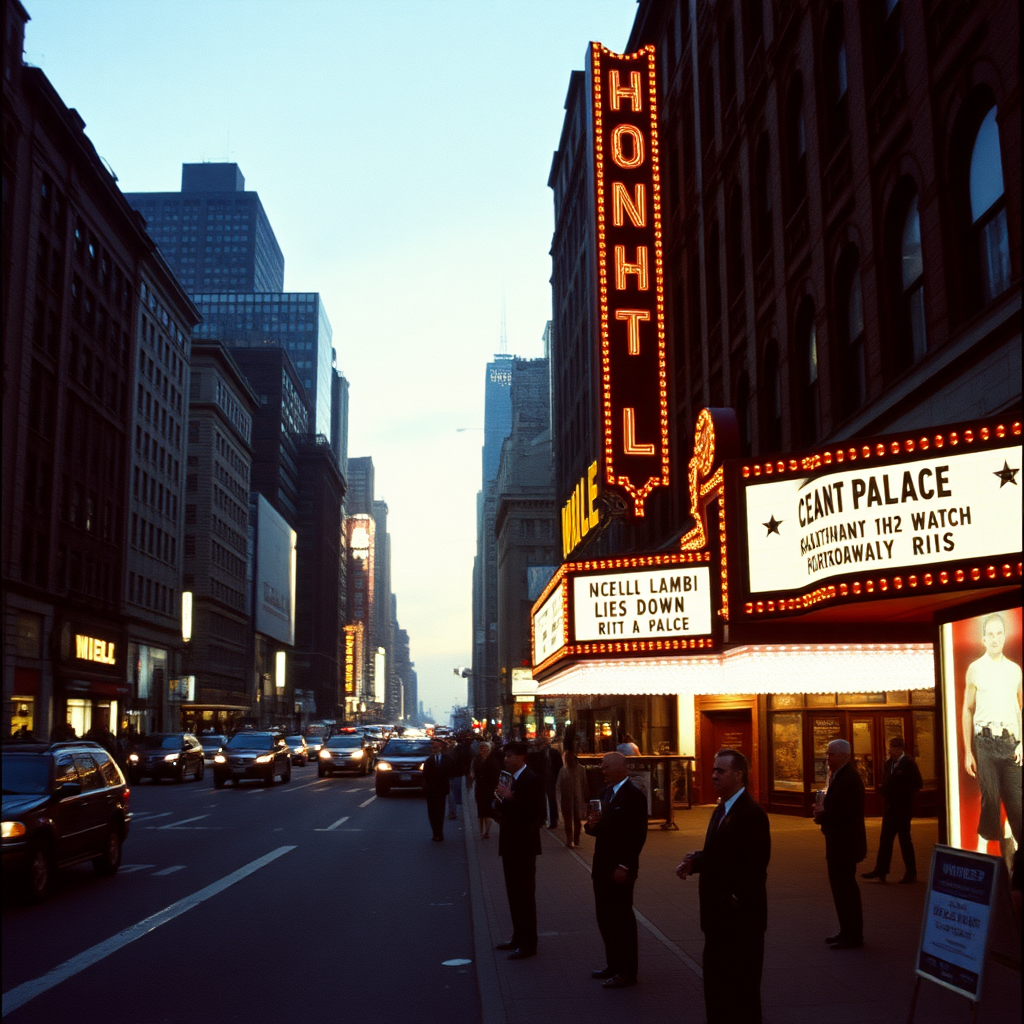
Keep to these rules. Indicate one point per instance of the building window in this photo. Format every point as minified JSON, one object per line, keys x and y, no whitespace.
{"x":770,"y":400}
{"x":763,"y":197}
{"x":835,"y":69}
{"x":796,"y":145}
{"x":714,"y":277}
{"x":734,"y":254}
{"x":890,"y":35}
{"x":851,"y":334}
{"x":912,"y":282}
{"x":807,"y":354}
{"x":988,"y":209}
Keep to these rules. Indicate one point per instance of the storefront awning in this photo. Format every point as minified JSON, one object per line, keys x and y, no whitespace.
{"x":833,"y":668}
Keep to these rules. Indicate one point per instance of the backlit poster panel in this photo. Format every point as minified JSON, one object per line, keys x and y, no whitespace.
{"x":274,"y":599}
{"x":981,"y":682}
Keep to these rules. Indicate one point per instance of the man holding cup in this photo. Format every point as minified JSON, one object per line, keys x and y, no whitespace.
{"x":618,"y":823}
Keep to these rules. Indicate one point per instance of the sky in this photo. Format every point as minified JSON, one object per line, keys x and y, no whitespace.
{"x":401,"y":149}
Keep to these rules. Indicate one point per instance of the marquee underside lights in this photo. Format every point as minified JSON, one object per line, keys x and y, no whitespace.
{"x":631,"y":295}
{"x":890,"y":517}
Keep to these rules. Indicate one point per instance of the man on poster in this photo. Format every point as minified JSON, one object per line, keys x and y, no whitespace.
{"x":992,"y":736}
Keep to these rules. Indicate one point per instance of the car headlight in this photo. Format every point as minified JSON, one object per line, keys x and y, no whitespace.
{"x":133,"y":758}
{"x":421,"y":766}
{"x":13,"y":829}
{"x":264,"y":758}
{"x":383,"y":766}
{"x":219,"y":759}
{"x":171,"y":757}
{"x":324,"y":753}
{"x":358,"y":755}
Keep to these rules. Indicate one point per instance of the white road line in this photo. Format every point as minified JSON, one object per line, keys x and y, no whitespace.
{"x":169,"y":871}
{"x":331,"y":828}
{"x":184,"y":821}
{"x":21,"y":994}
{"x":127,"y":869}
{"x":149,"y":814}
{"x":370,"y":801}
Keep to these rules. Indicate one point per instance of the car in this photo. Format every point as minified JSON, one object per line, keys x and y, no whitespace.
{"x":172,"y":755}
{"x":252,"y":755}
{"x":299,"y":749}
{"x":313,"y":745}
{"x":63,"y":803}
{"x":374,"y":736}
{"x":400,"y":765}
{"x":345,"y":752}
{"x":211,"y":743}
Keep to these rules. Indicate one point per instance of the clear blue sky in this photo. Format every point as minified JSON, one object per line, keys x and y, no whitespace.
{"x":401,"y":149}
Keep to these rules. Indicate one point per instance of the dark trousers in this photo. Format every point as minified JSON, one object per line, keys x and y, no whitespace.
{"x":617,"y":924}
{"x":896,"y":822}
{"x":1000,"y":782}
{"x":552,"y":797}
{"x":842,"y":877}
{"x":521,"y":890}
{"x":732,"y":976}
{"x":435,"y":812}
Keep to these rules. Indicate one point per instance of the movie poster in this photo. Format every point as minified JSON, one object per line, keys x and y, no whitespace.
{"x":981,"y":657}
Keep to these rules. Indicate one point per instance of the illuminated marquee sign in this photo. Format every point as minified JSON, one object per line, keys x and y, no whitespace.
{"x":883,"y":518}
{"x":580,"y":514}
{"x":631,"y":306}
{"x":642,"y":605}
{"x":90,"y":648}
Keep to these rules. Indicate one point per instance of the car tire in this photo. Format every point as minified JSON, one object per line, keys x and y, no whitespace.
{"x":134,"y":778}
{"x":218,"y":781}
{"x":200,"y":771}
{"x":107,"y":863}
{"x":39,"y":873}
{"x":268,"y":780}
{"x":381,"y":791}
{"x":321,"y":771}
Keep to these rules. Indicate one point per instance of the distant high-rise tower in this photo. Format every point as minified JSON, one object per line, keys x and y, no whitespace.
{"x":213,"y":234}
{"x":497,"y":411}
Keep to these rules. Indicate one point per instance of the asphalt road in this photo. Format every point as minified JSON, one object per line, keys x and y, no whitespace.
{"x":310,"y":900}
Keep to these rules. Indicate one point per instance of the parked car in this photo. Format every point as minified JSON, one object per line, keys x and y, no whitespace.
{"x":345,"y":752}
{"x":63,"y":803}
{"x":170,"y":755}
{"x":400,"y":765}
{"x":253,"y":755}
{"x":211,"y":743}
{"x":313,"y":745}
{"x":299,"y":749}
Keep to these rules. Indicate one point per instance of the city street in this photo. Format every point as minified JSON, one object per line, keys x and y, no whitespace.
{"x":290,"y":898}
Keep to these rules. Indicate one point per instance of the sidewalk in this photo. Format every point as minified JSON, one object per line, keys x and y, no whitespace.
{"x":805,"y":982}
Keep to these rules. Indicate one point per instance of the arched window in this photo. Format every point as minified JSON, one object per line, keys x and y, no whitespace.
{"x":851,"y":334}
{"x":734,"y":249}
{"x":763,"y":197}
{"x":796,"y":145}
{"x":714,"y":276}
{"x":988,"y":209}
{"x":835,"y":70}
{"x":912,"y":282}
{"x":770,"y":401}
{"x":807,"y":373}
{"x":742,"y":405}
{"x":890,"y":34}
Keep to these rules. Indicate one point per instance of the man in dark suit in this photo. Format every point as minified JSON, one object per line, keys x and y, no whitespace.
{"x":520,"y":807}
{"x":841,"y":817}
{"x":733,"y":868}
{"x":902,"y":779}
{"x":620,"y":831}
{"x":437,"y":772}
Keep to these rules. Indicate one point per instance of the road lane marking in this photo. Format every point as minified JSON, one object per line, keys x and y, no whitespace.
{"x":127,"y":869}
{"x":184,"y":821}
{"x":370,"y":801}
{"x":331,"y":828}
{"x":21,"y":994}
{"x":169,"y":871}
{"x":149,"y":814}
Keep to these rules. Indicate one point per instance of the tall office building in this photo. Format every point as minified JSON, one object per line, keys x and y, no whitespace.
{"x":214,"y":235}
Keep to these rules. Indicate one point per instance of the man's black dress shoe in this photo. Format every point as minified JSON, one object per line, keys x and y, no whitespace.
{"x":521,"y":954}
{"x":838,"y":937}
{"x":873,"y":874}
{"x":908,"y":879}
{"x":604,"y":972}
{"x":507,"y":945}
{"x":438,"y":839}
{"x":618,"y":981}
{"x":848,"y":944}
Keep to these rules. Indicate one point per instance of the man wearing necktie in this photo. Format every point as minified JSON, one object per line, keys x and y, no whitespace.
{"x":733,"y":868}
{"x":620,"y":831}
{"x":436,"y":780}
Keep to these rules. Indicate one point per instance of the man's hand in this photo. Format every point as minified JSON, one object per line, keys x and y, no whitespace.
{"x":971,"y":766}
{"x":621,"y":875}
{"x":685,"y":869}
{"x":1018,"y":756}
{"x":503,"y":792}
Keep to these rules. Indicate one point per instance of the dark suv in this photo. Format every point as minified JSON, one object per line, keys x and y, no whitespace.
{"x":170,"y":755}
{"x":62,"y":804}
{"x":253,"y":755}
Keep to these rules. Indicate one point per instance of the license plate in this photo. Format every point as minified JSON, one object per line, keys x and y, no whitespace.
{"x":405,"y":777}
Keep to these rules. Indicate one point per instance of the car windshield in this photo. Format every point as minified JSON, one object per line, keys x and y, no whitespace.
{"x":251,"y":741}
{"x":294,"y":741}
{"x":313,"y":739}
{"x":212,"y":742}
{"x":405,"y":748}
{"x":345,"y":741}
{"x":161,"y":743}
{"x":30,"y":776}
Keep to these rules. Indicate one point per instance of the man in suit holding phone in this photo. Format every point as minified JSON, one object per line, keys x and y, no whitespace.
{"x":733,"y":868}
{"x":519,"y":804}
{"x":620,"y":831}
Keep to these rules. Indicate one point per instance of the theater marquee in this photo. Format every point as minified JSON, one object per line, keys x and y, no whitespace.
{"x":631,"y":301}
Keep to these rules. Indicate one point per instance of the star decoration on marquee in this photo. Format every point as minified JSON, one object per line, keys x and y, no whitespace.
{"x":1006,"y":475}
{"x":773,"y":525}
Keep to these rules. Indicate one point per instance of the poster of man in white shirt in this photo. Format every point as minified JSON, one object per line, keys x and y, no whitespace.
{"x":985,"y":718}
